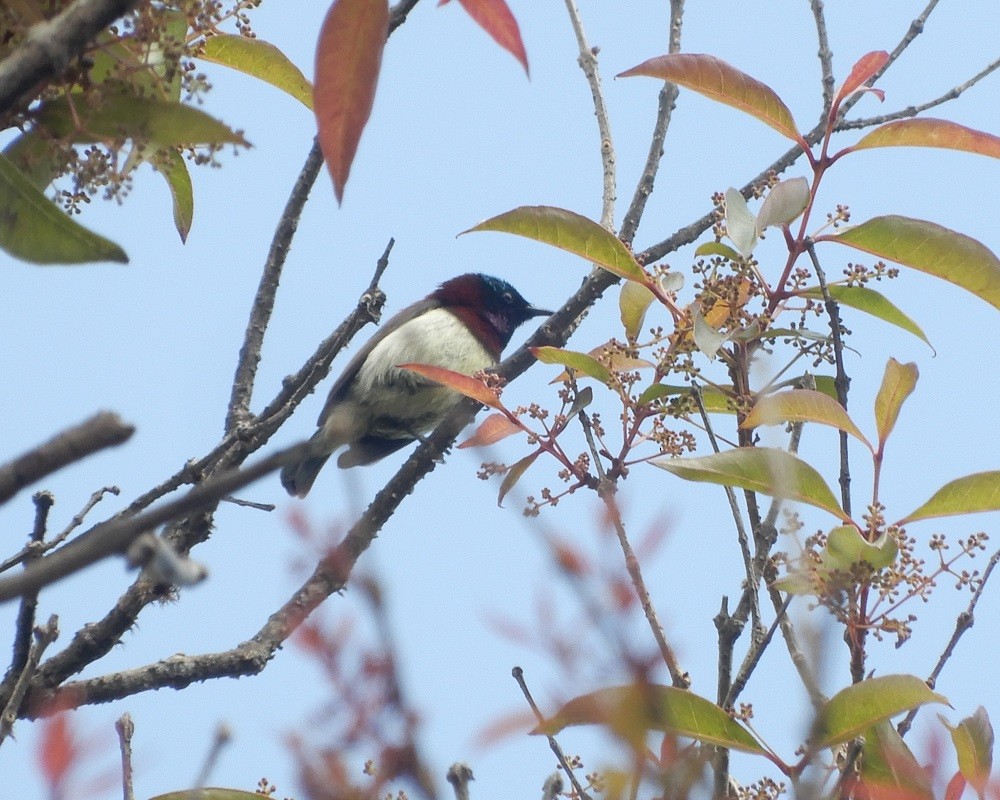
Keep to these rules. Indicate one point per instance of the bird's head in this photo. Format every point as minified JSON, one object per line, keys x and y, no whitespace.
{"x":490,"y":307}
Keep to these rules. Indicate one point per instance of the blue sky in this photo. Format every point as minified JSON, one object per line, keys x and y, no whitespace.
{"x":457,"y":135}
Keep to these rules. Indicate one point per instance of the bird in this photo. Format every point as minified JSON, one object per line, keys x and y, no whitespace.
{"x":376,"y":408}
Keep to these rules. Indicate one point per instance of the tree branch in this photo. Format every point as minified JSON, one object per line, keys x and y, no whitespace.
{"x":51,"y":45}
{"x":101,"y":431}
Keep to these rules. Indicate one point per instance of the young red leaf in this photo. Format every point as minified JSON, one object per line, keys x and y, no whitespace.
{"x":931,"y":133}
{"x":463,"y":384}
{"x":720,"y":81}
{"x":494,"y":428}
{"x":866,"y":66}
{"x":348,"y":59}
{"x":495,"y":17}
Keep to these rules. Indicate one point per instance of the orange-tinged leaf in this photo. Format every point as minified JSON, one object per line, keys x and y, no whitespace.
{"x":568,"y":231}
{"x":927,"y":132}
{"x":634,"y":710}
{"x":496,"y":18}
{"x":208,"y":793}
{"x":720,"y":81}
{"x":898,"y":383}
{"x":348,"y":60}
{"x":866,"y":66}
{"x":930,"y":248}
{"x":514,"y":475}
{"x":888,"y":769}
{"x":969,"y":495}
{"x":463,"y":384}
{"x":760,"y":469}
{"x":857,"y":708}
{"x":494,"y":428}
{"x":802,"y":405}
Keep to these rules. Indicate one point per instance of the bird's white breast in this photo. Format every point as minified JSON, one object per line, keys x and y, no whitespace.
{"x":436,"y":337}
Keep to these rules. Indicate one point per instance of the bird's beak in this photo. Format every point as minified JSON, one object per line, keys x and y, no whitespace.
{"x":531,"y":311}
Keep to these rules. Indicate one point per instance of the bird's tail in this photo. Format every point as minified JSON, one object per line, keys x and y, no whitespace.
{"x":299,"y":477}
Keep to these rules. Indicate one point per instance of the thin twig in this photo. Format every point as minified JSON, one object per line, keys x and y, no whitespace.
{"x":825,"y":55}
{"x":588,"y":63}
{"x":223,"y":736}
{"x":912,"y":111}
{"x":518,"y":675}
{"x":25,"y":623}
{"x":753,"y":656}
{"x":44,"y":636}
{"x":964,"y":621}
{"x":842,"y":382}
{"x":125,"y":728}
{"x":665,"y":107}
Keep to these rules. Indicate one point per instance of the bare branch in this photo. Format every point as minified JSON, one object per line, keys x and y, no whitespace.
{"x":116,"y":535}
{"x":101,"y":431}
{"x":263,"y":304}
{"x":588,"y":63}
{"x":44,"y":636}
{"x":825,"y":55}
{"x":124,"y":727}
{"x":51,"y":45}
{"x":666,"y":104}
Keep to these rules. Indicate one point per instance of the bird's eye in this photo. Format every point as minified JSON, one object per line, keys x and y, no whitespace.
{"x":507,"y":297}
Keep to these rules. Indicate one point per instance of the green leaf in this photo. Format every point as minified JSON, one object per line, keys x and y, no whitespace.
{"x":928,"y":132}
{"x":889,"y":769}
{"x":260,"y":60}
{"x":973,"y":740}
{"x":853,"y":710}
{"x":759,"y":469}
{"x":930,"y":248}
{"x":633,"y":302}
{"x":718,"y":249}
{"x":463,"y":384}
{"x":968,"y":495}
{"x":514,"y":475}
{"x":581,"y":362}
{"x":571,"y":232}
{"x":153,"y":120}
{"x":802,"y":405}
{"x":845,"y":547}
{"x":632,"y":711}
{"x":719,"y":81}
{"x":871,"y":302}
{"x":711,"y":398}
{"x":171,"y":165}
{"x":33,"y":229}
{"x":898,"y":383}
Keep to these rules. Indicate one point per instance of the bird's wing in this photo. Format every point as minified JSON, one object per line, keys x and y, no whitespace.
{"x":339,"y":388}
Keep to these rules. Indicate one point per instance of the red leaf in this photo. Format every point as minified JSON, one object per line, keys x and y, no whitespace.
{"x":348,"y":59}
{"x":59,"y":751}
{"x":955,"y":787}
{"x":867,"y":65}
{"x":494,"y":428}
{"x":463,"y":384}
{"x":496,"y":18}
